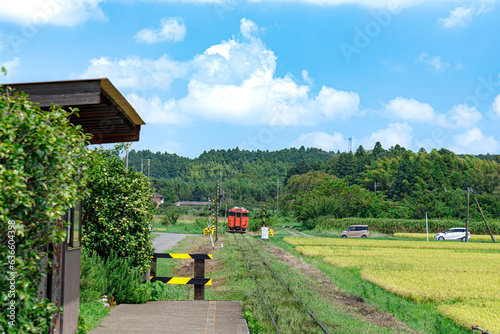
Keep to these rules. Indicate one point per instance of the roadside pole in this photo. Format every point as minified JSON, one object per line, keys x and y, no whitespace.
{"x":426,"y":227}
{"x":217,"y":212}
{"x":467,"y":221}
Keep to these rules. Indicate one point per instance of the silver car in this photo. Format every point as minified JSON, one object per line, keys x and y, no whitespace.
{"x":454,"y":233}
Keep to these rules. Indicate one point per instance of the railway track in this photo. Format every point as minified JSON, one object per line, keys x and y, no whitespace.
{"x":276,"y":294}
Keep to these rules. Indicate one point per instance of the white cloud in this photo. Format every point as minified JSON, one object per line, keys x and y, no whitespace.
{"x":396,"y":133}
{"x":434,"y":62}
{"x":11,"y":65}
{"x":2,"y":41}
{"x":248,"y":28}
{"x":460,"y":116}
{"x":154,"y":111}
{"x":137,"y":73}
{"x":382,"y":4}
{"x":172,"y":29}
{"x":474,"y":142}
{"x":496,"y":105}
{"x":410,"y":110}
{"x":321,"y":140}
{"x":57,"y":12}
{"x":233,"y":81}
{"x":306,"y":78}
{"x":463,"y":116}
{"x":460,"y":17}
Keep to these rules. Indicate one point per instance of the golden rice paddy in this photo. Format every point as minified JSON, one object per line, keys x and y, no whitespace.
{"x":462,"y":279}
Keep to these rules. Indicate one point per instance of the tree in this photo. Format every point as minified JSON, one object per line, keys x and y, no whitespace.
{"x":404,"y":179}
{"x":378,"y":150}
{"x":118,"y":210}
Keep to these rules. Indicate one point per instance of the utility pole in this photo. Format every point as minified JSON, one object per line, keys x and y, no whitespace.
{"x":482,"y":215}
{"x":217,"y":199}
{"x":126,"y":157}
{"x":277,"y":194}
{"x":375,"y":186}
{"x":467,"y":221}
{"x":149,"y":162}
{"x":142,"y":167}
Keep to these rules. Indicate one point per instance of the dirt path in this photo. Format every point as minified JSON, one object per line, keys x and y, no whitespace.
{"x":296,"y":233}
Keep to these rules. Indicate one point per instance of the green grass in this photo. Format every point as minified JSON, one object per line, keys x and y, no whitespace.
{"x":187,"y":225}
{"x":91,"y":314}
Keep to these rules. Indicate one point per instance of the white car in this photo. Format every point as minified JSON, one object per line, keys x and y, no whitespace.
{"x":455,"y":233}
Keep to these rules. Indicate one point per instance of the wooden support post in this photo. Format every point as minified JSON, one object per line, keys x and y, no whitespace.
{"x":153,"y":267}
{"x":199,"y":272}
{"x":481,"y":211}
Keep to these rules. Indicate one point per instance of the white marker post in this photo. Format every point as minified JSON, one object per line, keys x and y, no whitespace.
{"x":426,"y":226}
{"x":264,"y":233}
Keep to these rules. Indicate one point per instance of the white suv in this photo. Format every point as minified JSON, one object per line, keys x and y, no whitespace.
{"x":455,"y":233}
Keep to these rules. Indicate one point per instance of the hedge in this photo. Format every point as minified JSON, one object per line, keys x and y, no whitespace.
{"x":390,"y":226}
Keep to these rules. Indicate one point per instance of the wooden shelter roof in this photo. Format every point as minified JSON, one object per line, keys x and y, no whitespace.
{"x":103,"y":111}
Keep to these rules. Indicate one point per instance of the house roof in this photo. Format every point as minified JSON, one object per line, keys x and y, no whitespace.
{"x":158,"y":194}
{"x":103,"y":111}
{"x":179,"y":203}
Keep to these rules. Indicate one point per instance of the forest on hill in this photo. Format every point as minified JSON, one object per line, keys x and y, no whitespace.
{"x":377,"y":183}
{"x":248,"y":177}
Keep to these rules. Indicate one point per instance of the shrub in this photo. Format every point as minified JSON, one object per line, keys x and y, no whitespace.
{"x":390,"y":226}
{"x":114,"y":276}
{"x":170,"y":217}
{"x":118,"y":211}
{"x":40,"y":177}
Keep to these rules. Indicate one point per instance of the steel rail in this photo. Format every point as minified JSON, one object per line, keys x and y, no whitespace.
{"x":290,"y":290}
{"x":255,"y":281}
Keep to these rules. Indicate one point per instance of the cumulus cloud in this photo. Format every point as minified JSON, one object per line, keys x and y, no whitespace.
{"x":321,"y":140}
{"x":496,"y":105}
{"x":137,"y":73}
{"x":248,"y":28}
{"x":154,"y":111}
{"x":171,"y":29}
{"x":474,"y":141}
{"x":233,"y":81}
{"x":459,"y":116}
{"x":463,"y":116}
{"x":57,"y":12}
{"x":460,"y":17}
{"x":382,"y":4}
{"x":410,"y":109}
{"x":395,"y":133}
{"x":11,"y":65}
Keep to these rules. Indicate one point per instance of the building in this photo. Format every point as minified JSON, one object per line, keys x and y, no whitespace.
{"x":158,"y":199}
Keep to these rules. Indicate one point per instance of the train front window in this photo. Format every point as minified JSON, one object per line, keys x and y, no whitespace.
{"x":238,"y":215}
{"x":232,"y":214}
{"x":245,"y":214}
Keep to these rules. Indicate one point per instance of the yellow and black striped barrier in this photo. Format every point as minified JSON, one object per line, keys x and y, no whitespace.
{"x":182,"y":256}
{"x":199,"y":281}
{"x":182,"y":280}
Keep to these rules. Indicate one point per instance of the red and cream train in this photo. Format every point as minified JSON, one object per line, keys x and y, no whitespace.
{"x":237,"y":219}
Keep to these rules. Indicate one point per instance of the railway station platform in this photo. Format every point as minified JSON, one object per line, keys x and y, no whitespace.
{"x":175,"y":317}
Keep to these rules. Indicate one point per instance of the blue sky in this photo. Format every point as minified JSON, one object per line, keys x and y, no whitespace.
{"x":217,"y":74}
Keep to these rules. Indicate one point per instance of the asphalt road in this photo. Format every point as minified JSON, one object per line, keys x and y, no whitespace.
{"x":166,"y":241}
